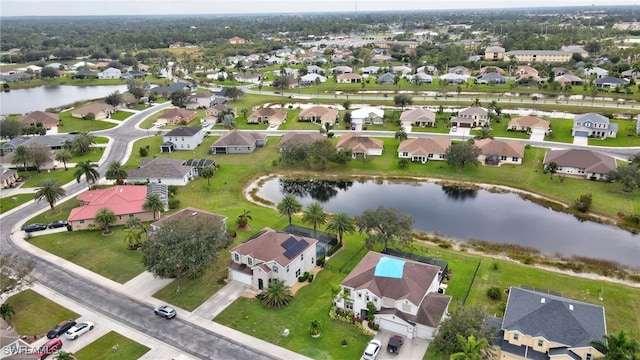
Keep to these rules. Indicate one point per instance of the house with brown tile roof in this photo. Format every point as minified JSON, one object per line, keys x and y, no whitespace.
{"x":238,"y":142}
{"x":272,"y":255}
{"x":185,"y":215}
{"x":99,"y":110}
{"x":176,"y":116}
{"x":267,"y":115}
{"x":162,"y":171}
{"x":581,"y":163}
{"x":418,"y":117}
{"x":424,"y":149}
{"x":360,"y":145}
{"x":530,"y":124}
{"x":321,"y":114}
{"x":404,"y":293}
{"x":498,"y":152}
{"x":47,"y":119}
{"x":294,"y":138}
{"x":212,"y":114}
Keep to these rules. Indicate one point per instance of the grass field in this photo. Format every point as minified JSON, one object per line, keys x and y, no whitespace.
{"x":102,"y":348}
{"x":11,"y":202}
{"x":35,"y":315}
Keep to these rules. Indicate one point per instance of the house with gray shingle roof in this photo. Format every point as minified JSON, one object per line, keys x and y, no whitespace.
{"x":540,"y":325}
{"x":610,"y":82}
{"x":238,"y":142}
{"x":182,"y":138}
{"x":404,"y":292}
{"x":424,"y":149}
{"x":594,"y":125}
{"x":581,"y":163}
{"x":11,"y":145}
{"x":497,"y":152}
{"x":387,"y":79}
{"x":53,"y":142}
{"x":491,"y":78}
{"x":162,"y":171}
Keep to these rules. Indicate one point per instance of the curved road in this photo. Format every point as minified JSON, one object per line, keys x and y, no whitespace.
{"x":186,"y":336}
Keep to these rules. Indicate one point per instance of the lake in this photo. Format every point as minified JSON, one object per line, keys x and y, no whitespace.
{"x":468,"y":214}
{"x":22,"y":101}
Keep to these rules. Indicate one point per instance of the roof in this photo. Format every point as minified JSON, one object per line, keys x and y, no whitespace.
{"x":184,"y":131}
{"x":178,"y":112}
{"x":492,"y":76}
{"x":593,"y":117}
{"x":93,"y":108}
{"x":418,"y":114}
{"x":557,"y":319}
{"x":160,"y":168}
{"x":511,"y":148}
{"x":42,"y":117}
{"x":425,"y":146}
{"x":366,"y":112}
{"x":271,"y":113}
{"x":591,"y":161}
{"x":473,"y":111}
{"x":171,"y":88}
{"x":121,"y":199}
{"x":413,"y":285}
{"x":610,"y":80}
{"x":189,"y":213}
{"x":299,"y":138}
{"x":533,"y":122}
{"x":238,"y":138}
{"x":271,"y":245}
{"x":48,"y":140}
{"x":432,"y":309}
{"x":356,"y":142}
{"x":494,"y":49}
{"x":321,"y":236}
{"x":537,"y":52}
{"x":323,"y":112}
{"x":349,"y":76}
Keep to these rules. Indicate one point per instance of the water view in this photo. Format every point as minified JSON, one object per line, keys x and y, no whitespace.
{"x":468,"y":214}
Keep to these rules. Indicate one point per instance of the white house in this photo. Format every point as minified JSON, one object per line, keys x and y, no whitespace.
{"x":404,"y":293}
{"x":367,"y":115}
{"x":272,"y":255}
{"x":182,"y":138}
{"x":110,"y":73}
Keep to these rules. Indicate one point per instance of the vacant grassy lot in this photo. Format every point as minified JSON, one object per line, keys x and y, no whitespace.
{"x":11,"y":202}
{"x":35,"y":314}
{"x":102,"y":349}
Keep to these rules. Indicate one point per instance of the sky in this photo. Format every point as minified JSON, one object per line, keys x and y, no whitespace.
{"x":10,"y":8}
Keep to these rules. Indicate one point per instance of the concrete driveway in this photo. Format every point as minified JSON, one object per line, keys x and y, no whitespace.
{"x":412,"y":349}
{"x":223,"y":298}
{"x":580,"y":140}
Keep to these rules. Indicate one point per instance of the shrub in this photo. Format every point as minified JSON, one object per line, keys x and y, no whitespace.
{"x":143,"y":152}
{"x":343,"y":342}
{"x":320,"y":262}
{"x":495,"y":265}
{"x":173,"y":189}
{"x":174,"y":203}
{"x":335,"y":248}
{"x":583,"y":204}
{"x":494,"y":293}
{"x":376,"y":326}
{"x":304,"y":277}
{"x":310,"y":277}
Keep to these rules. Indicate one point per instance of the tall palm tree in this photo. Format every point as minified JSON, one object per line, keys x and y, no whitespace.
{"x":50,"y":191}
{"x":288,"y":206}
{"x":314,"y":214}
{"x":88,"y":170}
{"x":105,"y":217}
{"x":243,"y":219}
{"x":472,"y":349}
{"x":341,"y":224}
{"x":207,"y":172}
{"x":401,"y":134}
{"x":617,"y":347}
{"x":153,"y":203}
{"x":21,"y":155}
{"x":64,"y":155}
{"x":115,"y":171}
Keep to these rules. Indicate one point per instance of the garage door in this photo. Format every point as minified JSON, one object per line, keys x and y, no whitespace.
{"x":241,"y":277}
{"x":537,"y":131}
{"x":464,"y":125}
{"x":394,"y":327}
{"x":582,"y":133}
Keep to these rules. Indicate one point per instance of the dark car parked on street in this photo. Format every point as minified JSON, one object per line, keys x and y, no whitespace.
{"x":61,"y":328}
{"x":34,"y":227}
{"x":58,"y":224}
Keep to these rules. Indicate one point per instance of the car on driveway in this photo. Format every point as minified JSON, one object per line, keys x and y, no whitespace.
{"x":48,"y":348}
{"x":58,"y":224}
{"x":372,"y":350}
{"x":35,"y":227}
{"x":395,"y":342}
{"x":165,"y":311}
{"x":79,"y":329}
{"x":61,"y":328}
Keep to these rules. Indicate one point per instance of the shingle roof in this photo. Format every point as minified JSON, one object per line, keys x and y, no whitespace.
{"x":425,"y":146}
{"x":160,"y":168}
{"x":48,"y":140}
{"x":299,"y":138}
{"x":593,"y":117}
{"x":267,"y":246}
{"x":241,"y":138}
{"x":121,"y":199}
{"x":93,"y":108}
{"x":320,"y":111}
{"x":511,"y":148}
{"x":184,"y":131}
{"x":178,"y":112}
{"x":42,"y":117}
{"x":533,"y":122}
{"x":358,"y":143}
{"x":591,"y":161}
{"x":418,"y":114}
{"x":473,"y":110}
{"x":188,"y":213}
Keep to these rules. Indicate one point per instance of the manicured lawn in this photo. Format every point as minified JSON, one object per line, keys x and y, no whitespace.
{"x":35,"y":314}
{"x":101,"y":140}
{"x":625,"y":137}
{"x":61,"y":212}
{"x":11,"y":202}
{"x":69,"y":123}
{"x":561,"y":131}
{"x":33,"y":179}
{"x":102,"y":348}
{"x":121,"y":115}
{"x":93,"y":156}
{"x":105,"y":255}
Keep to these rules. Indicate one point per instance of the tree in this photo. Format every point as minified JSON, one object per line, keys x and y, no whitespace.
{"x":207,"y":172}
{"x":276,"y":295}
{"x":133,"y":236}
{"x":115,"y":171}
{"x":458,"y":91}
{"x":114,"y":99}
{"x":583,"y":204}
{"x":552,"y":168}
{"x":10,"y":128}
{"x":233,"y":93}
{"x":628,"y":176}
{"x":64,"y":355}
{"x":138,"y":88}
{"x":179,"y":98}
{"x":153,"y":203}
{"x":183,"y":248}
{"x":346,"y":104}
{"x":289,"y":206}
{"x":384,"y":225}
{"x":81,"y":143}
{"x":21,"y":155}
{"x":485,"y":133}
{"x":617,"y":347}
{"x":39,"y":156}
{"x":314,"y":214}
{"x":229,"y":121}
{"x":88,"y":170}
{"x":341,"y":224}
{"x":243,"y":219}
{"x":464,"y":321}
{"x":472,"y":349}
{"x":15,"y":272}
{"x":462,"y":153}
{"x":7,"y":311}
{"x":401,"y":134}
{"x":402,"y":100}
{"x":49,"y":191}
{"x":49,"y":72}
{"x":105,"y":217}
{"x":476,"y":102}
{"x":244,"y":112}
{"x":64,"y":155}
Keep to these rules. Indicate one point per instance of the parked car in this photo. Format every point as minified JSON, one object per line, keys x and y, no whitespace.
{"x":165,"y":311}
{"x":61,"y":328}
{"x":372,"y":350}
{"x":79,"y":329}
{"x":58,"y":224}
{"x":74,"y":132}
{"x":272,"y":125}
{"x":35,"y":227}
{"x":395,"y":342}
{"x":454,"y":128}
{"x":48,"y":348}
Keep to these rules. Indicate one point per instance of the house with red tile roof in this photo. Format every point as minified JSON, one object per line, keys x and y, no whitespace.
{"x":124,"y":200}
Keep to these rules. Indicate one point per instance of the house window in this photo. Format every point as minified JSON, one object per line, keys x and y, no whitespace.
{"x":514,"y":159}
{"x":287,"y":268}
{"x":119,"y":217}
{"x":540,"y":343}
{"x":405,"y":153}
{"x":81,"y":221}
{"x":302,"y":257}
{"x":250,"y":261}
{"x":581,"y":171}
{"x":367,"y":297}
{"x":275,"y":268}
{"x":131,"y":216}
{"x":298,"y":273}
{"x":516,"y":337}
{"x":503,"y":158}
{"x":236,"y":257}
{"x":430,"y":156}
{"x":588,"y":356}
{"x":348,"y":305}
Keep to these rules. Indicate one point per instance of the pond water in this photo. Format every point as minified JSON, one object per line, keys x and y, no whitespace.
{"x":468,"y":214}
{"x":22,"y":101}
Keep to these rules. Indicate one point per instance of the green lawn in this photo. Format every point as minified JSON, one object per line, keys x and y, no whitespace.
{"x":69,"y":123}
{"x":101,"y":140}
{"x":625,"y":137}
{"x":33,"y":179}
{"x":35,"y":314}
{"x":11,"y":202}
{"x":561,"y":131}
{"x":121,"y":115}
{"x":104,"y":255}
{"x":102,"y":348}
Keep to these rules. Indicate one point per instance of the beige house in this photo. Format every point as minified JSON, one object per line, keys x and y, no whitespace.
{"x":177,"y":116}
{"x":349,"y":78}
{"x":360,"y":145}
{"x":293,"y":138}
{"x":212,"y":114}
{"x":319,"y":114}
{"x":494,"y":53}
{"x":470,"y":117}
{"x":498,"y":152}
{"x":8,"y":177}
{"x":581,"y":163}
{"x":47,"y":119}
{"x":424,"y":149}
{"x":418,"y":117}
{"x":267,"y":115}
{"x":530,"y":124}
{"x":539,"y":56}
{"x":99,"y":110}
{"x":236,"y":40}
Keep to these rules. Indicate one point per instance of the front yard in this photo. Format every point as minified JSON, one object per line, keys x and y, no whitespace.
{"x":35,"y":315}
{"x":102,"y":349}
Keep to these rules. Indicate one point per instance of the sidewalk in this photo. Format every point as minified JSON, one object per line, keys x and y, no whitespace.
{"x":220,"y":300}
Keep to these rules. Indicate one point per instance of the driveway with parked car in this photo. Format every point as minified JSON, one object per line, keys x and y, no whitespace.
{"x":411,"y":349}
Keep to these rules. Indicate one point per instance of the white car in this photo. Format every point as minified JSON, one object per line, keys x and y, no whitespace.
{"x":79,"y":329}
{"x":159,"y":125}
{"x":372,"y":350}
{"x":454,"y":128}
{"x":272,"y":125}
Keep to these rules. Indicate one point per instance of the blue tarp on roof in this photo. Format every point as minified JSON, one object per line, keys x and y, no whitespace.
{"x":389,"y":267}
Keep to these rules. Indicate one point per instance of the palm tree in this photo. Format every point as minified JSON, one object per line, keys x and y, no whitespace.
{"x":243,"y":219}
{"x":314,"y":214}
{"x":63,"y":355}
{"x":105,"y":217}
{"x":617,"y":347}
{"x":88,"y":170}
{"x":81,"y":143}
{"x":472,"y":349}
{"x":153,"y":203}
{"x":276,"y":295}
{"x":115,"y":171}
{"x":341,"y":224}
{"x":64,"y":156}
{"x":21,"y":155}
{"x":315,"y":327}
{"x":229,"y":121}
{"x":207,"y":172}
{"x":485,"y":133}
{"x":7,"y":311}
{"x":134,"y":236}
{"x":50,"y":191}
{"x":401,"y":134}
{"x":133,"y":222}
{"x":476,"y":102}
{"x":289,"y":206}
